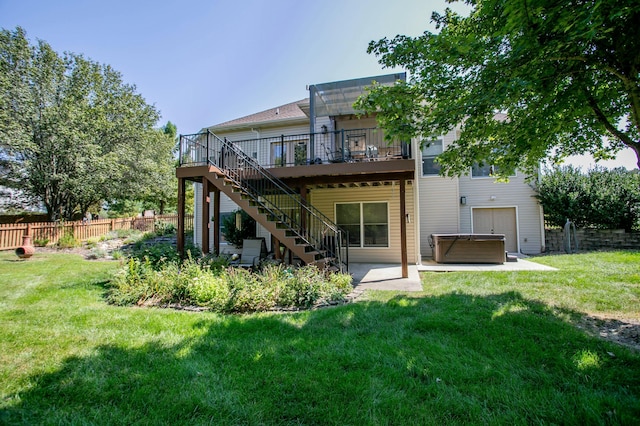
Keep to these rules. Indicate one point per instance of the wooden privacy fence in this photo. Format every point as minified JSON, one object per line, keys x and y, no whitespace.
{"x":50,"y":232}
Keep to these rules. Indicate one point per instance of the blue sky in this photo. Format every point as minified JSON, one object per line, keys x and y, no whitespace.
{"x":205,"y":62}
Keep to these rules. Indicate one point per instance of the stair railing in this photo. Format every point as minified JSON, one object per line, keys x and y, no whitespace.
{"x":278,"y":201}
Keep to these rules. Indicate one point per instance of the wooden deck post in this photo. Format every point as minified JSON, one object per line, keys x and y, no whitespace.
{"x":216,"y":221}
{"x":205,"y":216}
{"x":403,"y":230}
{"x":181,"y":202}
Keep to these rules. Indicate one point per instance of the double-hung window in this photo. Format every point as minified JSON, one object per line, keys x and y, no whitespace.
{"x":367,"y":223}
{"x":431,"y":149}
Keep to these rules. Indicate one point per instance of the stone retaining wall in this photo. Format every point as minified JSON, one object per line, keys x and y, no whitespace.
{"x":594,"y":239}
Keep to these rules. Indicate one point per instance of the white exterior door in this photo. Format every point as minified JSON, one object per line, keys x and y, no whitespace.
{"x":498,"y":221}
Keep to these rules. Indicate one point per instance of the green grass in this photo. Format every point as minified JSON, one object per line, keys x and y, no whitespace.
{"x":481,"y":348}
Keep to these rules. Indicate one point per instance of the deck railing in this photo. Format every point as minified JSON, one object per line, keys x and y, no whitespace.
{"x":340,"y":146}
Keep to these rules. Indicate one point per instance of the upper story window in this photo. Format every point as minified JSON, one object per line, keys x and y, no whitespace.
{"x":430,"y":151}
{"x":481,"y":170}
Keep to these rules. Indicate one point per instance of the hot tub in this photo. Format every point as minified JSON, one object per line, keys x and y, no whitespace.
{"x":469,"y":248}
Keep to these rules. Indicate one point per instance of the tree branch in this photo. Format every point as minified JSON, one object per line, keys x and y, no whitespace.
{"x":610,"y":127}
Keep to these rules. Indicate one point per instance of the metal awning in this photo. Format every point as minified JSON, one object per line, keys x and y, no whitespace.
{"x":337,"y":98}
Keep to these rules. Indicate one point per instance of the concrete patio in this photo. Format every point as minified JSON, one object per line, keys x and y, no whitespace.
{"x":377,"y":276}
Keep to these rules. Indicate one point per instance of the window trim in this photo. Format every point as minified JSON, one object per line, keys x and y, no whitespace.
{"x":362,"y":224}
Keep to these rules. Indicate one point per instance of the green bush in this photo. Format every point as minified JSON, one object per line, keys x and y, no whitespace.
{"x":225,"y":290}
{"x":155,"y":254}
{"x":235,"y":235}
{"x":68,"y":240}
{"x":600,"y":198}
{"x":40,"y":242}
{"x":164,"y":228}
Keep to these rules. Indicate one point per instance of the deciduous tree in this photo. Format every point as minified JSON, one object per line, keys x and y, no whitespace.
{"x":72,"y":133}
{"x":566,"y":74}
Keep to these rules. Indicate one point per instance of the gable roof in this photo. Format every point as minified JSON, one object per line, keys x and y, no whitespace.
{"x":288,"y":113}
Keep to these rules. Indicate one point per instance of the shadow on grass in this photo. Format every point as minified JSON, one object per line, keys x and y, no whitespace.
{"x":448,"y":359}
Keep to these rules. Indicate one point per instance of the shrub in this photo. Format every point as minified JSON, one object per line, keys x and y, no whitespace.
{"x":68,"y":240}
{"x":97,"y":253}
{"x":41,"y":242}
{"x":601,"y":198}
{"x":225,"y":290}
{"x":155,"y":254}
{"x":209,"y":291}
{"x":164,"y":228}
{"x":92,"y":242}
{"x":235,"y":235}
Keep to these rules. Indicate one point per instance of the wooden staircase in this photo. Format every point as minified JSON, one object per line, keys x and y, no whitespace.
{"x":303,"y":229}
{"x":277,"y":226}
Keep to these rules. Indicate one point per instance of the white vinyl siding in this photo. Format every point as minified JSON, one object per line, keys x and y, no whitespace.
{"x":516,"y":193}
{"x":439,"y":202}
{"x":441,"y":211}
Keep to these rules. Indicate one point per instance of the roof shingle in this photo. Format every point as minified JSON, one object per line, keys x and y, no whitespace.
{"x":290,"y":111}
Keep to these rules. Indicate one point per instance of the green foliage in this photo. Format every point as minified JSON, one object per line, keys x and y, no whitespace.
{"x":124,"y":208}
{"x":164,"y":228}
{"x":40,"y":242}
{"x":155,"y":255}
{"x":72,"y":133}
{"x":235,"y":235}
{"x":564,"y":74}
{"x":68,"y":240}
{"x":209,"y":283}
{"x":132,"y":234}
{"x":601,"y":198}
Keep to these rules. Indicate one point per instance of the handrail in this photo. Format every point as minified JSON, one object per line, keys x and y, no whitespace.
{"x":281,"y":202}
{"x":328,"y":146}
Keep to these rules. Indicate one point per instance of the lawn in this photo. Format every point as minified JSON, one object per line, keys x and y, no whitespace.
{"x":483,"y":348}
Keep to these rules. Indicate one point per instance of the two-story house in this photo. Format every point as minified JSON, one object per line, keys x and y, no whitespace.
{"x":322,"y":181}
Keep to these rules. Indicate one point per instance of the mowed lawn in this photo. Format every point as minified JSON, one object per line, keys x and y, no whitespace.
{"x":473,"y":348}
